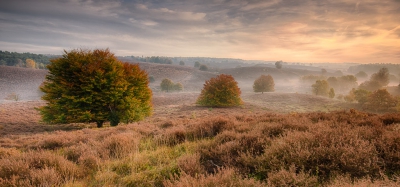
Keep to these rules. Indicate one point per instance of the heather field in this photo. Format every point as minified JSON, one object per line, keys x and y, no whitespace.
{"x":273,"y":139}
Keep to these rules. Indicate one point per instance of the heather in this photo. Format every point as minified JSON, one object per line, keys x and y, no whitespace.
{"x":339,"y":148}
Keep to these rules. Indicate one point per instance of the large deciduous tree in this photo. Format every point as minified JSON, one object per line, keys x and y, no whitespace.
{"x":264,"y":83}
{"x":94,"y":86}
{"x":221,"y":91}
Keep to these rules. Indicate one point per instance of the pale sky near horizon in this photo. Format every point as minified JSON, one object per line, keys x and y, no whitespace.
{"x":290,"y":30}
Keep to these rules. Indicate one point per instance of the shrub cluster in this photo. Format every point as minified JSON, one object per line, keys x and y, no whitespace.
{"x":167,"y":85}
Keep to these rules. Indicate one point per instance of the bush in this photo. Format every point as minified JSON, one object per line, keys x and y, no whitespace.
{"x":221,"y":91}
{"x":94,"y":86}
{"x":168,"y":85}
{"x":182,"y":63}
{"x":178,"y":86}
{"x":321,"y":87}
{"x":264,"y":84}
{"x":203,"y":67}
{"x":197,"y":64}
{"x":152,"y":79}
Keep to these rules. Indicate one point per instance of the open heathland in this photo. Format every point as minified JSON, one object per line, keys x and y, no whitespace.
{"x":273,"y":139}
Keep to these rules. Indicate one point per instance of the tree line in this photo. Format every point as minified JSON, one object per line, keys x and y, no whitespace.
{"x":23,"y":59}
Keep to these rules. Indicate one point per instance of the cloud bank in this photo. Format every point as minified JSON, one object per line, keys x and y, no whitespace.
{"x":299,"y":31}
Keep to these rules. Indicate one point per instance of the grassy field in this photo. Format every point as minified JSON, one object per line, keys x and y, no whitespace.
{"x":272,"y":140}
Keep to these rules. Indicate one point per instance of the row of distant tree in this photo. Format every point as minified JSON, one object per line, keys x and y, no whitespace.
{"x":29,"y":60}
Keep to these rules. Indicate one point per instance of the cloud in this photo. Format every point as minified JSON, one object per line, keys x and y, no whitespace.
{"x":306,"y":31}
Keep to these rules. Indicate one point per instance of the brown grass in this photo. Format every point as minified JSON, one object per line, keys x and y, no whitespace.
{"x":296,"y":149}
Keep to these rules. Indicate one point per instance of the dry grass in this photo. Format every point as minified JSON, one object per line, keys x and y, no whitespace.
{"x":342,"y":148}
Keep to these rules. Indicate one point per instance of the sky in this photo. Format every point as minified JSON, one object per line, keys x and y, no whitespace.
{"x":308,"y":31}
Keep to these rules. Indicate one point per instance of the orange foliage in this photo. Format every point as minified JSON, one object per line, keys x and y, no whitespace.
{"x":221,"y":91}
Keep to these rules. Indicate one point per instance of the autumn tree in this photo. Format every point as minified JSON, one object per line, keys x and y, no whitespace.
{"x":221,"y":91}
{"x":382,"y":76}
{"x":380,"y":100}
{"x":361,"y":96}
{"x":30,"y":63}
{"x":370,"y":85}
{"x":278,"y":64}
{"x":167,"y":85}
{"x":94,"y":86}
{"x":321,"y":87}
{"x":264,"y":84}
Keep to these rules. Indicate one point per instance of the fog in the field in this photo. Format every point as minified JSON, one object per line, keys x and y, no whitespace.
{"x":20,"y":84}
{"x":23,"y":84}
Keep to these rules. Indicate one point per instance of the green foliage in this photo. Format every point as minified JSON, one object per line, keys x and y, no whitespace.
{"x":221,"y":91}
{"x":361,"y":96}
{"x":93,"y":86}
{"x":203,"y":67}
{"x":278,"y":64}
{"x":321,"y":87}
{"x":18,"y":59}
{"x":197,"y":64}
{"x":264,"y":84}
{"x":178,"y":86}
{"x":154,"y":59}
{"x":167,"y":85}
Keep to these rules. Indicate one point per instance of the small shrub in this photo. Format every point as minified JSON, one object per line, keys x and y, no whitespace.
{"x":221,"y":91}
{"x":264,"y":84}
{"x":203,"y":68}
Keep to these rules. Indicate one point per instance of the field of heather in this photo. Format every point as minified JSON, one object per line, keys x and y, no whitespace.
{"x":274,"y":139}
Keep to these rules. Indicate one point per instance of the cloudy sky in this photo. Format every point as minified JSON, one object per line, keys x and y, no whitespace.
{"x":365,"y":31}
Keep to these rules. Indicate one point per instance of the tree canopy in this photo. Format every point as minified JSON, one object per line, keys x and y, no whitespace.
{"x":264,"y":83}
{"x":221,"y":91}
{"x":321,"y":87}
{"x":94,"y":86}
